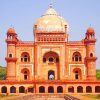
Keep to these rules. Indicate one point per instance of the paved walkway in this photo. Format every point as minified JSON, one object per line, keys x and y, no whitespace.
{"x":32,"y":97}
{"x":79,"y":96}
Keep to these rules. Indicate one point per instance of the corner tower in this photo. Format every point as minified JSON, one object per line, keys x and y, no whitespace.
{"x":51,"y":27}
{"x":90,"y":41}
{"x":11,"y":54}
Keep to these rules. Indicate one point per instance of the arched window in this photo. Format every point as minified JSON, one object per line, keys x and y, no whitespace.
{"x":91,"y":54}
{"x":44,"y":60}
{"x":76,"y":57}
{"x":25,"y":57}
{"x":10,"y":55}
{"x":10,"y":37}
{"x":51,"y":59}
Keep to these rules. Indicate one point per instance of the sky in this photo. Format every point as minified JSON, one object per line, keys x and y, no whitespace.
{"x":22,"y":14}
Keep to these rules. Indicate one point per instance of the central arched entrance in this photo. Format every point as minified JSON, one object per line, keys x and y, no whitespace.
{"x":50,"y":89}
{"x":51,"y":60}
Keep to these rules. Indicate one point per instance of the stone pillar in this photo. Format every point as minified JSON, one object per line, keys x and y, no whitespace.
{"x":36,"y":89}
{"x":64,"y":89}
{"x":55,"y":89}
{"x":93,"y":89}
{"x":75,"y":89}
{"x":84,"y":89}
{"x":8,"y":89}
{"x":35,"y":61}
{"x":17,"y":89}
{"x":46,"y":89}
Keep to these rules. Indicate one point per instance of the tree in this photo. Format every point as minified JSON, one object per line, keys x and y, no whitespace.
{"x":98,"y":74}
{"x":2,"y":73}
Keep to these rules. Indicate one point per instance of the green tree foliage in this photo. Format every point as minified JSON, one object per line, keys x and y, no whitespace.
{"x":98,"y":74}
{"x":2,"y":73}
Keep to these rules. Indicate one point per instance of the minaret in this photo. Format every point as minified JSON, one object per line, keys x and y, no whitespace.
{"x":90,"y":41}
{"x":11,"y":54}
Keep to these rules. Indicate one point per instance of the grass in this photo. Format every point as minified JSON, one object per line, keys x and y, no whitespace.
{"x":4,"y":95}
{"x":94,"y":96}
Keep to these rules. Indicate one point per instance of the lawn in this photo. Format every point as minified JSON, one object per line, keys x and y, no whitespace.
{"x":94,"y":96}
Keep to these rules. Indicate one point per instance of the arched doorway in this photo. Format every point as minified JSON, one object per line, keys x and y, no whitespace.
{"x":59,"y":89}
{"x":25,"y":74}
{"x":79,"y":89}
{"x":12,"y":89}
{"x":30,"y":89}
{"x":88,"y":89}
{"x":51,"y":75}
{"x":21,"y":89}
{"x":71,"y":89}
{"x":77,"y":74}
{"x":41,"y":89}
{"x":97,"y":89}
{"x":4,"y":89}
{"x":51,"y":59}
{"x":50,"y":89}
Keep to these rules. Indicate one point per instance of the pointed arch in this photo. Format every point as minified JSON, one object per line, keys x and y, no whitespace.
{"x":12,"y":89}
{"x":25,"y":74}
{"x":41,"y":89}
{"x":50,"y":89}
{"x":25,"y":57}
{"x":4,"y":89}
{"x":59,"y":89}
{"x":77,"y":73}
{"x":97,"y":89}
{"x":76,"y":57}
{"x":21,"y":89}
{"x":88,"y":89}
{"x":79,"y":89}
{"x":71,"y":89}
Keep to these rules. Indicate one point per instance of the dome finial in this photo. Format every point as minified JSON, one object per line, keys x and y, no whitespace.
{"x":50,"y":5}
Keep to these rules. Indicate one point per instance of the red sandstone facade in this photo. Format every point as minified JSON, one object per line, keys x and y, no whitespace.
{"x":52,"y":63}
